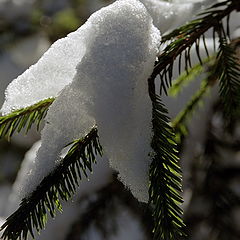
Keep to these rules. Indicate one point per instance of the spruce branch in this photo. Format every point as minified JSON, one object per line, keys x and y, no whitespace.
{"x":227,"y":70}
{"x":60,"y":184}
{"x":24,"y":117}
{"x":184,"y":38}
{"x":165,"y":176}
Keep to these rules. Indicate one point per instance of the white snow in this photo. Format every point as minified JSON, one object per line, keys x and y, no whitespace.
{"x":110,"y":90}
{"x":101,"y":177}
{"x":50,"y":74}
{"x":169,"y":15}
{"x":13,"y":61}
{"x":18,"y":57}
{"x":57,"y":66}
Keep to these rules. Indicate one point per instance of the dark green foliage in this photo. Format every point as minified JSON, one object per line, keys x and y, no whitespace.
{"x":19,"y":119}
{"x":59,"y":184}
{"x":227,"y":70}
{"x":183,"y":39}
{"x":165,"y":177}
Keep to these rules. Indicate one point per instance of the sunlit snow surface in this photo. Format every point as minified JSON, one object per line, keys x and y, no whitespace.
{"x":57,"y":66}
{"x":109,"y":90}
{"x":50,"y":74}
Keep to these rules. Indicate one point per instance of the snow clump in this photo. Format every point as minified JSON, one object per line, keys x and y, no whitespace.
{"x":57,"y":66}
{"x":55,"y":69}
{"x":119,"y":46}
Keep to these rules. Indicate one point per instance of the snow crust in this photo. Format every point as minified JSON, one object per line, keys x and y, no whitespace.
{"x":54,"y":70}
{"x":110,"y":90}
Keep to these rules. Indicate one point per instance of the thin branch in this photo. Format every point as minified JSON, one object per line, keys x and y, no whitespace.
{"x":19,"y":119}
{"x":184,"y":37}
{"x":227,"y":70}
{"x":165,"y":177}
{"x":59,"y":184}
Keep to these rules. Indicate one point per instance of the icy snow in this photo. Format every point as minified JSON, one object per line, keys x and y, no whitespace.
{"x":110,"y":90}
{"x":55,"y":69}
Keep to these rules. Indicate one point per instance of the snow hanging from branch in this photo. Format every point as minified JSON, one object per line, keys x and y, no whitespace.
{"x":52,"y":72}
{"x":109,"y":90}
{"x":101,"y":177}
{"x":55,"y":69}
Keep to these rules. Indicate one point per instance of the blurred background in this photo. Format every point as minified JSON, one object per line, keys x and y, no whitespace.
{"x":102,"y":208}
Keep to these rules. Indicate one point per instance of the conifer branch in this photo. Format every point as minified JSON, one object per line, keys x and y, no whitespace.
{"x":184,"y":38}
{"x":165,"y":176}
{"x":24,"y":117}
{"x":227,"y":70}
{"x":58,"y":185}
